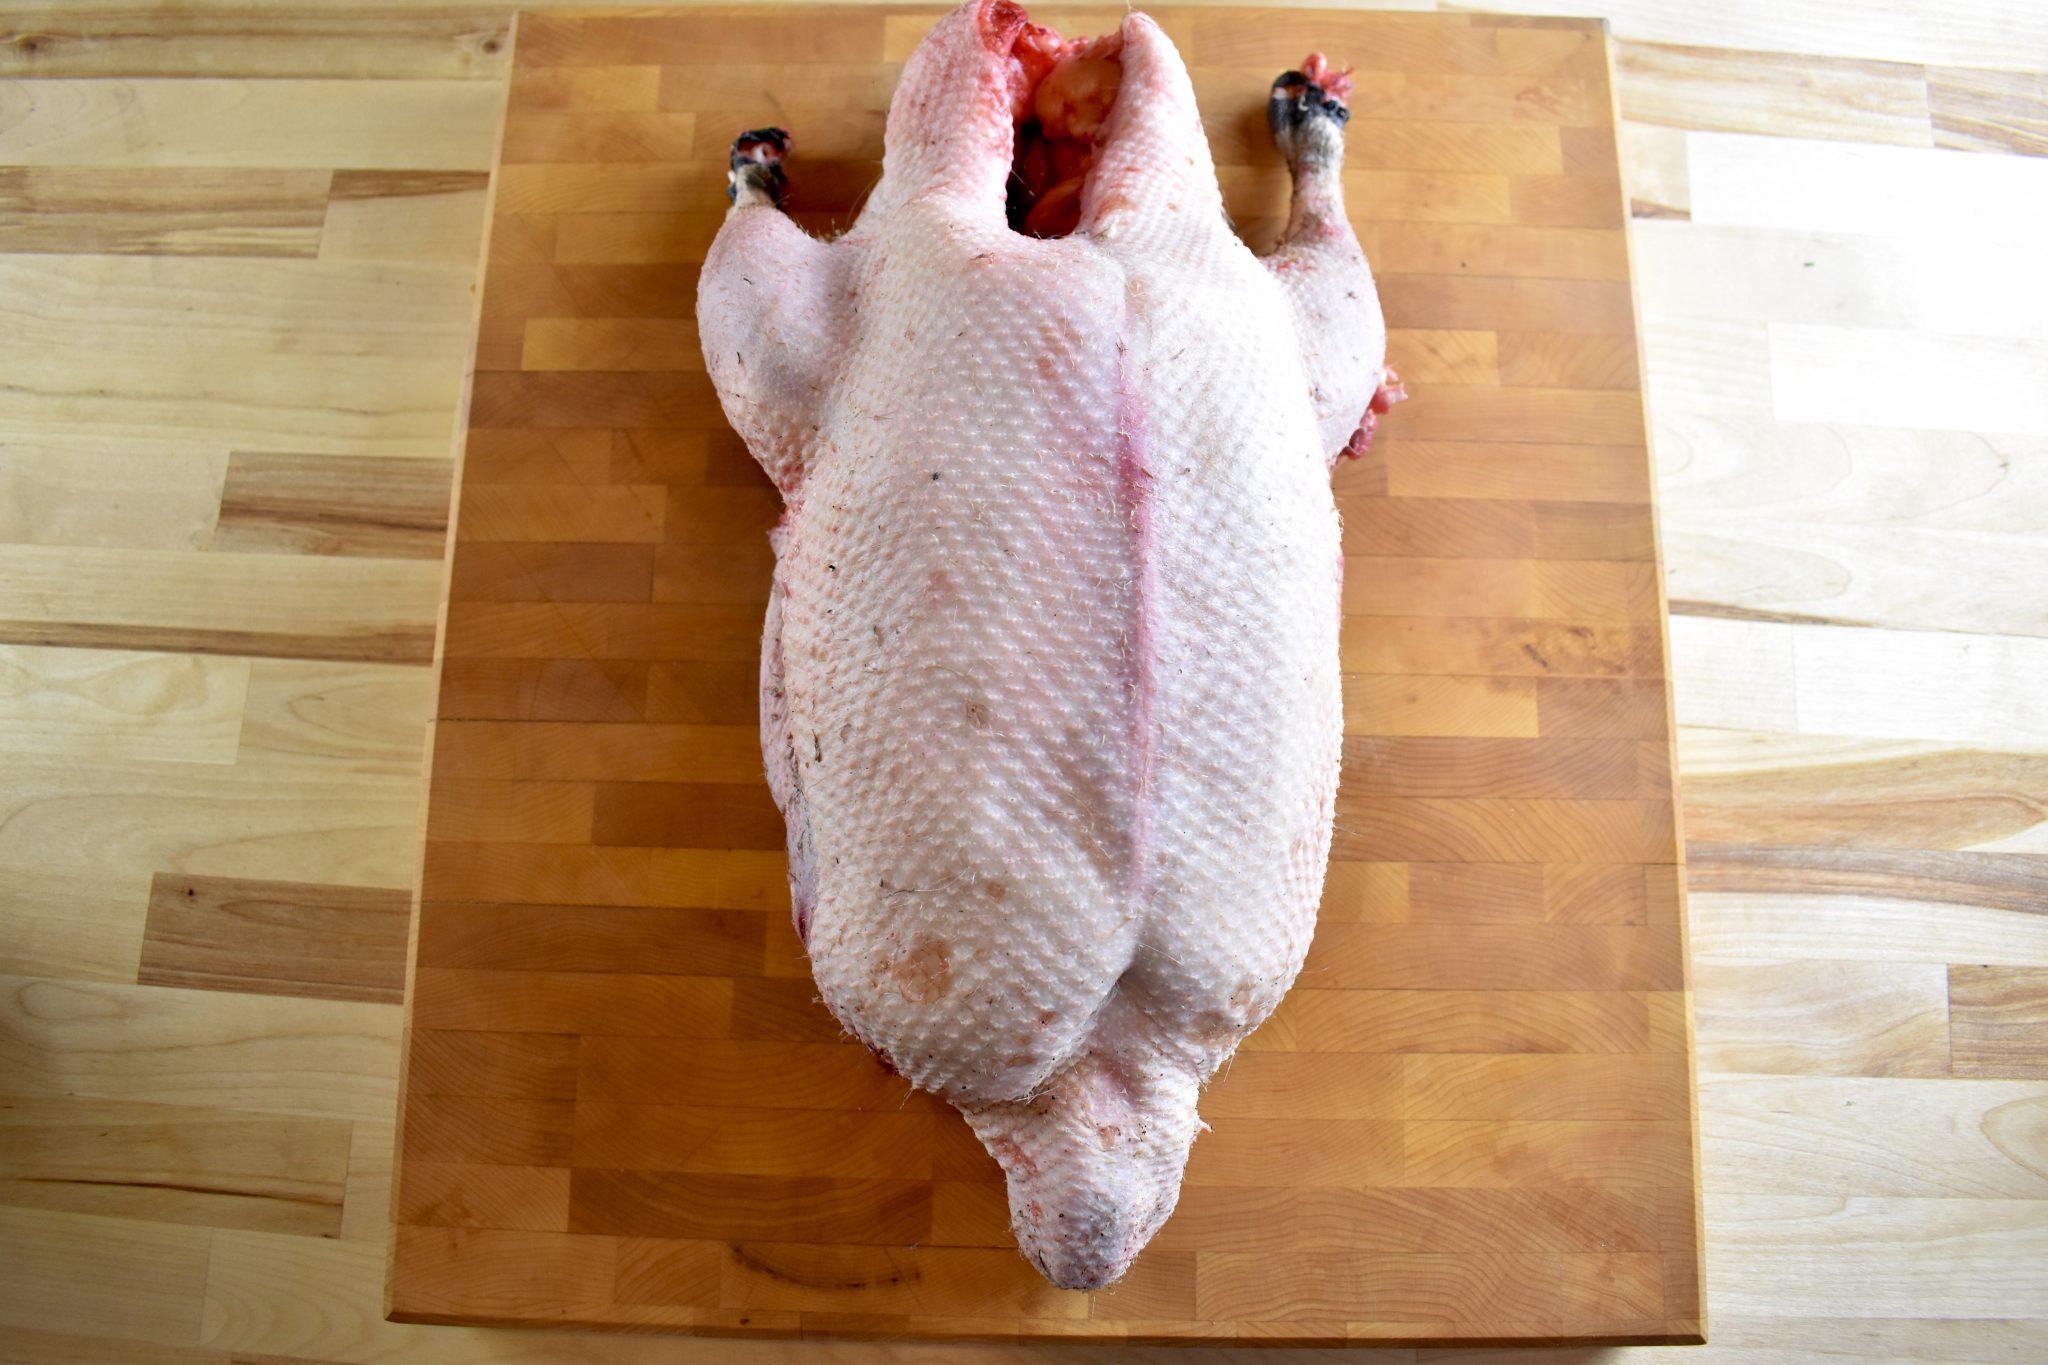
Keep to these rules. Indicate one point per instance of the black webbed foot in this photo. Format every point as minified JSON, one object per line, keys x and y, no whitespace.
{"x":757,"y":175}
{"x":1297,"y":99}
{"x":1307,"y":114}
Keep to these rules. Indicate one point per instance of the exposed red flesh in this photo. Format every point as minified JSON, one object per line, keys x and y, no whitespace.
{"x":1333,"y":82}
{"x":1390,"y":392}
{"x":1058,"y":116}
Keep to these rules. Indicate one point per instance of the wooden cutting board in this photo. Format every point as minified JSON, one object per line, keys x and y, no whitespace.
{"x":1472,"y":1119}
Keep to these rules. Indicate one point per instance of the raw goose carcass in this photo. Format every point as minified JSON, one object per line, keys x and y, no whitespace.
{"x":1050,"y":694}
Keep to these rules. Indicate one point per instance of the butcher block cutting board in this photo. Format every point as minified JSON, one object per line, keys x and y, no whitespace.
{"x":1473,"y":1118}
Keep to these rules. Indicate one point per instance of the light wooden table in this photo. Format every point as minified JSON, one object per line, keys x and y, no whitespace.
{"x":241,"y":247}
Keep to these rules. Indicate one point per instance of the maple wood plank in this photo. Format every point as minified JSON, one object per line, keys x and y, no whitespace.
{"x":1497,"y":646}
{"x":528,"y":571}
{"x":279,"y":938}
{"x":689,"y":40}
{"x":526,"y":1066}
{"x":454,"y":1129}
{"x":546,"y":749}
{"x":580,"y":134}
{"x":172,"y":210}
{"x":1309,"y":1085}
{"x":333,"y":505}
{"x":543,"y":689}
{"x":275,"y":605}
{"x":155,"y":1273}
{"x":1398,"y":1020}
{"x":1858,"y":796}
{"x":386,"y":215}
{"x":1567,"y":360}
{"x":1501,"y":252}
{"x":1262,"y":1151}
{"x":594,"y":89}
{"x":1879,"y":1138}
{"x":514,"y":1198}
{"x":585,"y":1002}
{"x":1511,"y":1287}
{"x":1447,"y":829}
{"x":1384,"y":704}
{"x":1988,"y":110}
{"x":499,"y":1269}
{"x":1472,"y":766}
{"x":1597,"y":307}
{"x":1788,"y":96}
{"x":1996,"y":1021}
{"x":107,"y":1159}
{"x":1491,"y":1154}
{"x":2010,"y":881}
{"x":120,"y":704}
{"x":592,"y":939}
{"x":1877,"y":1019}
{"x":1497,"y":957}
{"x":688,"y":815}
{"x":823,"y":1077}
{"x":509,"y":812}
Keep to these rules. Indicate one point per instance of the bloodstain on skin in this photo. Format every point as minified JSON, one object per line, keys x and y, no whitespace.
{"x":1013,"y":1158}
{"x":926,"y":973}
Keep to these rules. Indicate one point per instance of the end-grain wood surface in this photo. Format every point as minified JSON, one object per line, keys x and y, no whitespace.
{"x":1473,"y":1118}
{"x":240,"y":240}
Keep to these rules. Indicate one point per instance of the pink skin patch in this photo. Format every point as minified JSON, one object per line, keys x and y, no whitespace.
{"x":1135,"y":491}
{"x":1390,"y":392}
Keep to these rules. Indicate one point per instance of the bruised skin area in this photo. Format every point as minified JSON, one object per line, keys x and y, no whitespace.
{"x":1050,"y":691}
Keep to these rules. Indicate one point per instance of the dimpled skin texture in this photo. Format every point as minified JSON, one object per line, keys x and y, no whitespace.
{"x":1050,"y":683}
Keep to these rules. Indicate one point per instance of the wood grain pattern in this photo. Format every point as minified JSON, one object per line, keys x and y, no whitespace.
{"x":2000,"y":1016}
{"x":168,"y":211}
{"x":1744,"y":92}
{"x":625,"y":1106}
{"x":105,"y":40}
{"x":175,"y":1164}
{"x":272,"y":123}
{"x":333,"y":505}
{"x":145,"y":494}
{"x":280,"y":938}
{"x":1989,"y":110}
{"x":109,"y":703}
{"x":277,"y":605}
